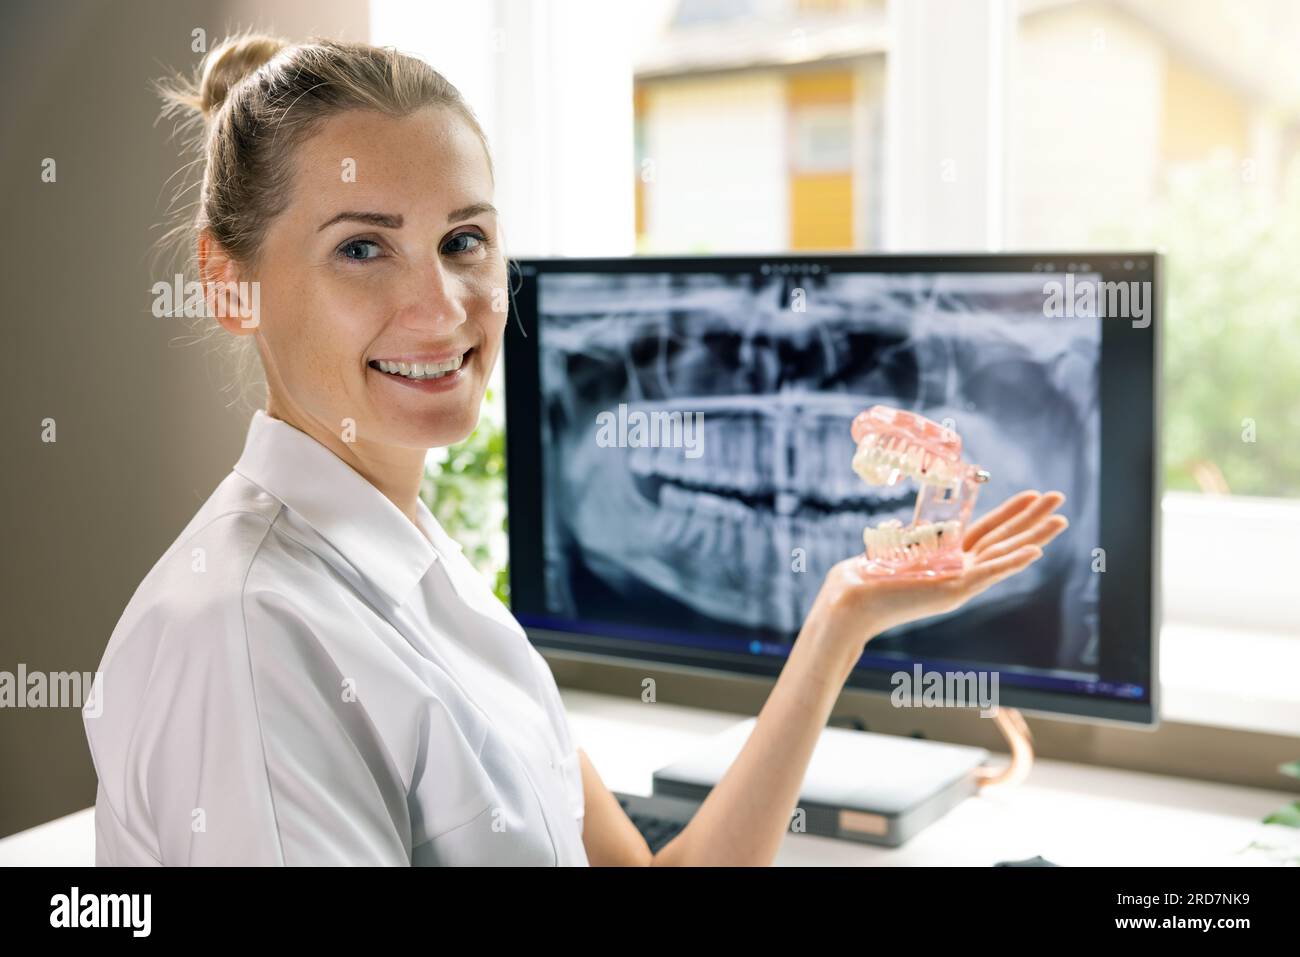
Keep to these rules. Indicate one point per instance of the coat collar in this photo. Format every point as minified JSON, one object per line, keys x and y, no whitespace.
{"x":341,"y":505}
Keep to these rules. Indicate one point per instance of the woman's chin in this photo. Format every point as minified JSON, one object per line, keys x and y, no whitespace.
{"x":417,"y":418}
{"x":430,"y":428}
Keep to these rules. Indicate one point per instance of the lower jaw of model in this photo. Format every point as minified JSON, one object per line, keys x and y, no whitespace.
{"x":930,"y":545}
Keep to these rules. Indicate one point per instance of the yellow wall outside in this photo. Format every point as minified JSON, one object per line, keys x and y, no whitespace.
{"x":821,"y":211}
{"x":821,"y":204}
{"x":823,"y":87}
{"x":1200,"y":116}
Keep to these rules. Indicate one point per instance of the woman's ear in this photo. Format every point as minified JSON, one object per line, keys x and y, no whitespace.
{"x":234,"y":303}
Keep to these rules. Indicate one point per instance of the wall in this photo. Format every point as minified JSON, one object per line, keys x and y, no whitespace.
{"x":144,"y":431}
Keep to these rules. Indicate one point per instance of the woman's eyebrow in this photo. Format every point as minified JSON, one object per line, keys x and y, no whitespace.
{"x":473,"y":209}
{"x":386,"y":220}
{"x":394,"y":220}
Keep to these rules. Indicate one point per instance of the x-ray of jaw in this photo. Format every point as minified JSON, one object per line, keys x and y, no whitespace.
{"x":738,"y":538}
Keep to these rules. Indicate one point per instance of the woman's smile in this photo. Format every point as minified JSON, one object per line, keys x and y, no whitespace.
{"x":425,"y":373}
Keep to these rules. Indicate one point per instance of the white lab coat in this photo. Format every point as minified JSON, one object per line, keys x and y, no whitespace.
{"x":303,"y":678}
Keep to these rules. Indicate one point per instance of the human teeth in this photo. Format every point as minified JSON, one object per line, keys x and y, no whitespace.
{"x":882,"y":462}
{"x":421,"y":370}
{"x":891,"y":541}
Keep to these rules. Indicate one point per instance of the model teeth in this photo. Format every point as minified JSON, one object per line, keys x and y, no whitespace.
{"x":882,"y":460}
{"x":890,"y":541}
{"x":421,"y":370}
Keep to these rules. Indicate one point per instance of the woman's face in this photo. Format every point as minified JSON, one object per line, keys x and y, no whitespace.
{"x":388,"y":252}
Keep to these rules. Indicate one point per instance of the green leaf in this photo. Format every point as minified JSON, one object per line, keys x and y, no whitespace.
{"x":1289,"y":815}
{"x":1291,"y":768}
{"x":464,"y":487}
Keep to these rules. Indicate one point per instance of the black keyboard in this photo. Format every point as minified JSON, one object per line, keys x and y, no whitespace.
{"x":659,"y":819}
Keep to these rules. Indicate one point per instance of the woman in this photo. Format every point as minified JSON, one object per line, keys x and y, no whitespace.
{"x":313,"y":673}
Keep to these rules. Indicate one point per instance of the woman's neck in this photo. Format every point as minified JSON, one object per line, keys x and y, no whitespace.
{"x":395,"y":471}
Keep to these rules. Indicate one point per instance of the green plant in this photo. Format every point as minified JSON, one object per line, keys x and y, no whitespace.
{"x":1286,"y":816}
{"x":1232,"y":353}
{"x":464,"y":486}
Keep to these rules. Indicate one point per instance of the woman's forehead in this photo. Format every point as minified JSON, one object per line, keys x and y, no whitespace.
{"x":431,"y":155}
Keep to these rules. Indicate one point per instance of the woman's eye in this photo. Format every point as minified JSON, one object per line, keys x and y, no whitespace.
{"x":359,"y":249}
{"x":452,"y":247}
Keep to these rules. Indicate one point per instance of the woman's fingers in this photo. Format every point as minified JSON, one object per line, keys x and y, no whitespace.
{"x":1039,"y":535}
{"x":989,"y":573}
{"x":982,"y":525}
{"x":1020,"y":521}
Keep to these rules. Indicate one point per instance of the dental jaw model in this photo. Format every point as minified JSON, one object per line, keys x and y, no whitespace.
{"x":894,"y":445}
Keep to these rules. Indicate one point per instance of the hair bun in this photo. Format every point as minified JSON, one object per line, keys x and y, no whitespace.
{"x":229,"y":62}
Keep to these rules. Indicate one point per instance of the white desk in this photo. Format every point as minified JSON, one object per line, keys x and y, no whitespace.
{"x":1071,"y":814}
{"x":64,"y":842}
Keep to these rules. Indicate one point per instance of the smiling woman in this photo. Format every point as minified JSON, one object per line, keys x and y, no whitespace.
{"x":355,"y":186}
{"x":313,"y":673}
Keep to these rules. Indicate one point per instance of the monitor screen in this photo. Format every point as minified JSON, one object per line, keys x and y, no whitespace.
{"x":679,"y":457}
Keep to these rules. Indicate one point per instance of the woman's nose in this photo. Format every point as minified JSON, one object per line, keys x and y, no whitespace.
{"x":435,"y":298}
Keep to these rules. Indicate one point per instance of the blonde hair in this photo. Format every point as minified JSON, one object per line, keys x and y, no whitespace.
{"x":247,"y":107}
{"x":258,"y":97}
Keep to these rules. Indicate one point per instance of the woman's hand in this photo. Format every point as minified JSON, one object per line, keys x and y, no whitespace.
{"x":854,"y":606}
{"x":747,"y":814}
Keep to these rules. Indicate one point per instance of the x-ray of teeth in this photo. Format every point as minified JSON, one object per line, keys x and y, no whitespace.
{"x":737,"y":540}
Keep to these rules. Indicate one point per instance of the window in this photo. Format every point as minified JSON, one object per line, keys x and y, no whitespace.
{"x":716,"y":126}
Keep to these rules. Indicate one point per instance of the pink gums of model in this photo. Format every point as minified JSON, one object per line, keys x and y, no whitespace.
{"x":894,"y":445}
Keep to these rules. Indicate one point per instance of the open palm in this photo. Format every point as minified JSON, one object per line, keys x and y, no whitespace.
{"x":1001,"y":543}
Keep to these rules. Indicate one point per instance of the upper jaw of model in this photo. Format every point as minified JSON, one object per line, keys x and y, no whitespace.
{"x":893,"y":445}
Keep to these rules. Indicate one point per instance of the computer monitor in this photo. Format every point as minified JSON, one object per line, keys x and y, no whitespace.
{"x":708,"y":550}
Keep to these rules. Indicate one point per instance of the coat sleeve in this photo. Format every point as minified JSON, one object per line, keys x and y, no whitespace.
{"x":254,"y":754}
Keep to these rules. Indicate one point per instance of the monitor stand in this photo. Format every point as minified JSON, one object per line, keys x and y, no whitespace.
{"x":863,"y":786}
